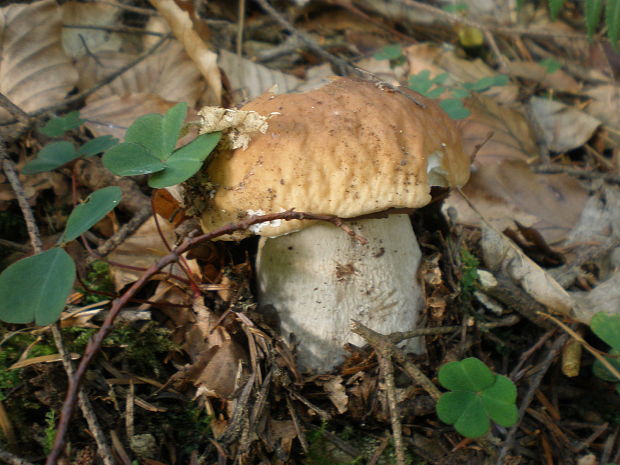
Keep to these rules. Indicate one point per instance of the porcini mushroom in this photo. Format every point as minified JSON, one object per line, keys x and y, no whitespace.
{"x":350,"y":148}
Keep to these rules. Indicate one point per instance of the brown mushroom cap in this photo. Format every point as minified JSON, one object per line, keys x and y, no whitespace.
{"x":350,"y":148}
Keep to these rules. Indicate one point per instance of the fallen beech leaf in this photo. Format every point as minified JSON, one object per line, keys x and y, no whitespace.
{"x":114,"y":114}
{"x":35,"y":71}
{"x":168,"y":73}
{"x":249,"y":80}
{"x":558,"y":80}
{"x":506,"y":191}
{"x":605,"y":106}
{"x":501,"y":254}
{"x":79,"y":42}
{"x":204,"y":59}
{"x":512,"y":137}
{"x":564,"y":127}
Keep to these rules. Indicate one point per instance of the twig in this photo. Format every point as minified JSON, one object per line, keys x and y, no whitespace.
{"x":386,"y":367}
{"x":122,"y":30}
{"x":94,"y":344}
{"x":577,"y":337}
{"x":18,"y":189}
{"x":103,"y":449}
{"x":342,"y":66}
{"x":13,"y":459}
{"x":14,"y":110}
{"x":555,"y":169}
{"x":240,"y":25}
{"x":133,"y":9}
{"x":527,"y":399}
{"x":123,"y":233}
{"x":379,"y":341}
{"x":15,"y":246}
{"x":399,"y":336}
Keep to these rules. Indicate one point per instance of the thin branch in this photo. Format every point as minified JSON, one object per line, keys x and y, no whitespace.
{"x":123,"y":233}
{"x":103,"y":449}
{"x":16,"y":185}
{"x":342,"y":66}
{"x":529,"y":396}
{"x":387,"y":369}
{"x":121,"y":30}
{"x":94,"y":344}
{"x":14,"y":110}
{"x":556,"y":169}
{"x":133,"y":9}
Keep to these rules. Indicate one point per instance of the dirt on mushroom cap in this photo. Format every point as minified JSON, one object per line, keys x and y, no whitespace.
{"x":349,"y":148}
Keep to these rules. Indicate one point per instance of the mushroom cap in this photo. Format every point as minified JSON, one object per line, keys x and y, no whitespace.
{"x":348,"y":149}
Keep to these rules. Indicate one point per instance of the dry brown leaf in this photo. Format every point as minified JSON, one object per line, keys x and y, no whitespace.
{"x":563,"y":127}
{"x":512,"y":137}
{"x":508,"y":191}
{"x":183,"y":29}
{"x":226,"y":368}
{"x":168,"y":73}
{"x":337,"y":393}
{"x":249,"y":80}
{"x":35,"y":71}
{"x":558,"y":80}
{"x":143,"y":249}
{"x":79,"y":42}
{"x":501,"y":254}
{"x":114,"y":114}
{"x":605,"y":106}
{"x":437,"y":60}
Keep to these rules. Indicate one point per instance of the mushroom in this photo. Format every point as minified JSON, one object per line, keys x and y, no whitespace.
{"x":351,"y":148}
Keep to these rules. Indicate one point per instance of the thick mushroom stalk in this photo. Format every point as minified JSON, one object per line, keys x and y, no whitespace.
{"x":319,"y":279}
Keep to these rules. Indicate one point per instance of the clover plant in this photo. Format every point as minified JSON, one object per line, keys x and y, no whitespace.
{"x":35,"y":289}
{"x":476,"y":396}
{"x":607,"y":328}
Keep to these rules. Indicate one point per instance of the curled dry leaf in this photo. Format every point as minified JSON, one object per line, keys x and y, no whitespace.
{"x":35,"y":72}
{"x":563,"y":127}
{"x":502,"y":255}
{"x":337,"y":393}
{"x":183,"y":29}
{"x":80,"y":42}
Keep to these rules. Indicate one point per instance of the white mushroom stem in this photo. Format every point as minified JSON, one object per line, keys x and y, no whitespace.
{"x":319,"y":279}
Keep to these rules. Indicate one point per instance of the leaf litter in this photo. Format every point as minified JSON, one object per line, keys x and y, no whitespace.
{"x":226,"y":360}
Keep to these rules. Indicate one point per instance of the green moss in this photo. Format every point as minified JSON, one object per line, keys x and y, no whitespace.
{"x":98,"y":278}
{"x":469,"y":273}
